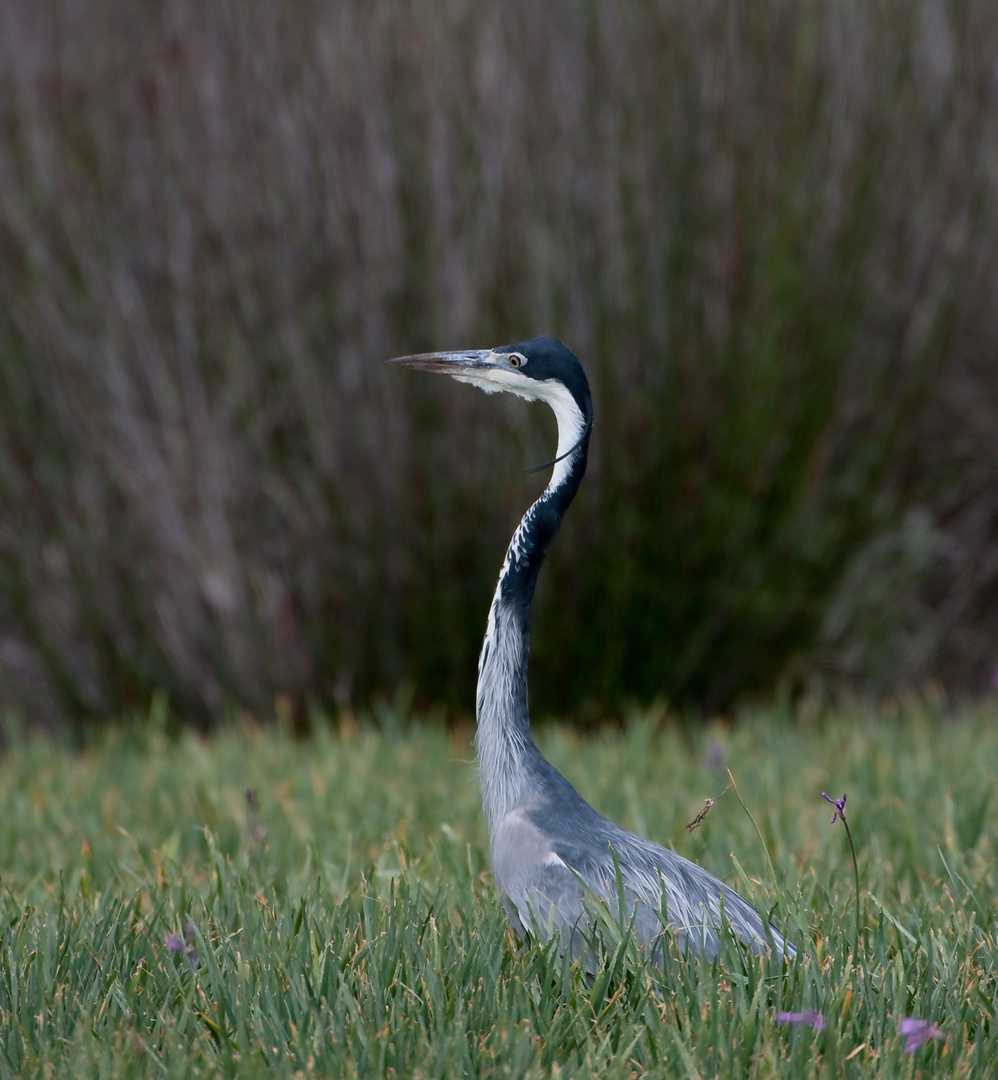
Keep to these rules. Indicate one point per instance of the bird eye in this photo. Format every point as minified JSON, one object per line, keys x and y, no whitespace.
{"x":515,"y":359}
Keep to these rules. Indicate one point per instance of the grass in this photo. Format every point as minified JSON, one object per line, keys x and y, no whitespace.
{"x":158,"y":920}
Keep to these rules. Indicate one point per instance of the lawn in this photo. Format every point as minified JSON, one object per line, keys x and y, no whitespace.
{"x":254,"y":904}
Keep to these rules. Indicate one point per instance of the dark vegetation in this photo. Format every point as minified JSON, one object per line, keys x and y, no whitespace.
{"x":770,"y":232}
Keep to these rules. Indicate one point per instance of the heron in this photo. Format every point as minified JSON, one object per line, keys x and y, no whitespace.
{"x":552,"y":853}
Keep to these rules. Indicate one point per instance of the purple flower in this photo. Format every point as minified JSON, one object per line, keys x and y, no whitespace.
{"x":810,"y":1017}
{"x":175,"y":943}
{"x":839,"y":804}
{"x":918,"y":1032}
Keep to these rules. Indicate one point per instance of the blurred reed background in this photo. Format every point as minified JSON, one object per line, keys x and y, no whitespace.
{"x":769,"y":231}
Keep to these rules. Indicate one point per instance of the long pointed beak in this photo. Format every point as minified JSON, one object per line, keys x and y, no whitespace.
{"x":465,"y":362}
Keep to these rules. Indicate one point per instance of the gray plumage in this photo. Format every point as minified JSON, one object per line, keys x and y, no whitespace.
{"x":549,"y":846}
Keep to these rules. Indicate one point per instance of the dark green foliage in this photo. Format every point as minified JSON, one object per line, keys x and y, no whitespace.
{"x":764,"y":231}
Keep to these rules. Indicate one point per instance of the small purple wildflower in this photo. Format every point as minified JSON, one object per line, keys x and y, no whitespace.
{"x":918,"y":1032}
{"x":810,"y":1017}
{"x":839,"y":804}
{"x":840,"y":813}
{"x":175,"y":943}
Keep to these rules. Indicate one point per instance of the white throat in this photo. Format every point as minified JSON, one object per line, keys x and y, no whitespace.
{"x":571,"y":422}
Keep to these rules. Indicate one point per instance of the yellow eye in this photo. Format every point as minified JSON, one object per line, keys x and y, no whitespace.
{"x":515,"y":359}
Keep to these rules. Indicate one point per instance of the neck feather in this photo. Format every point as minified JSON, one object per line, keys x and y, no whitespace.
{"x":505,"y":746}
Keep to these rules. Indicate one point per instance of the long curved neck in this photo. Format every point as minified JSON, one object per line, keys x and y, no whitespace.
{"x":505,"y":746}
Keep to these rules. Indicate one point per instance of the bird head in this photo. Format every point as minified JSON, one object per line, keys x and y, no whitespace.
{"x":541,"y":369}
